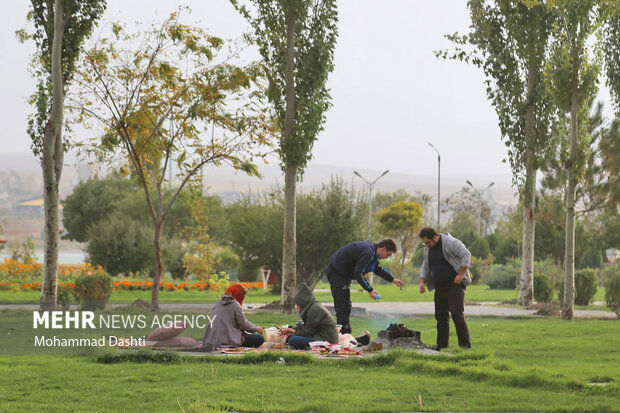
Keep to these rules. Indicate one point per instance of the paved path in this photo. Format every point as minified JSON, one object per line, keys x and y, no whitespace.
{"x":371,"y":309}
{"x":403,"y":309}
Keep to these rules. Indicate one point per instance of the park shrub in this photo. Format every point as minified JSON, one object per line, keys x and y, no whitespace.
{"x":172,"y":255}
{"x":226,"y":260}
{"x":549,"y":268}
{"x":121,"y":245}
{"x":506,"y":276}
{"x":609,"y":271}
{"x":92,"y":290}
{"x":480,"y":248}
{"x":418,"y":256}
{"x":612,"y":293}
{"x":481,"y":269}
{"x":248,"y":272}
{"x":543,"y":289}
{"x":506,"y":249}
{"x":591,"y":257}
{"x":64,"y":295}
{"x":586,"y":281}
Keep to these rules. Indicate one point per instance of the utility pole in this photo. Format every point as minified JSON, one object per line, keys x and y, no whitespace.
{"x":438,"y":185}
{"x":370,"y":186}
{"x":480,"y":193}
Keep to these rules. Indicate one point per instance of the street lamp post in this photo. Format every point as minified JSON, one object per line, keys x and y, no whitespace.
{"x":370,"y":186}
{"x":438,"y":185}
{"x":480,"y":193}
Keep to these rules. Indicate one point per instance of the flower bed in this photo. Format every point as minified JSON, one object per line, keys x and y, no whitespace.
{"x":19,"y":276}
{"x":165,"y":286}
{"x":16,"y":272}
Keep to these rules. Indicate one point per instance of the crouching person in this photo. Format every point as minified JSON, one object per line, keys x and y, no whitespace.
{"x":318,"y":323}
{"x":230,"y":327}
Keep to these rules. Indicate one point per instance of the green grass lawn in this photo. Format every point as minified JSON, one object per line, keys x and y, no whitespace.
{"x":389,"y":293}
{"x":516,"y":364}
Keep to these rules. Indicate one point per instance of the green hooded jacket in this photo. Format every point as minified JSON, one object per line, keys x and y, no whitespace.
{"x":318,"y":322}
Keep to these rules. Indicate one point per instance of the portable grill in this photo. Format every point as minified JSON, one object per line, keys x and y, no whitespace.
{"x":396,"y":331}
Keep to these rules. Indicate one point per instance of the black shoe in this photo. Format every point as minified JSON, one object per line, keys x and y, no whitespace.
{"x":465,"y":347}
{"x":364,"y":339}
{"x":436,"y":348}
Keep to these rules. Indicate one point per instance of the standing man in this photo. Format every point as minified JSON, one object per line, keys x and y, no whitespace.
{"x":351,"y":262}
{"x":446,"y":260}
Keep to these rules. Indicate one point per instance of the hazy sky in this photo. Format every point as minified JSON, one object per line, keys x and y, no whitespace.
{"x":390,"y":94}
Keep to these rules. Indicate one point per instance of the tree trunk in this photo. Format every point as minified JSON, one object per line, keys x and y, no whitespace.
{"x":568,"y":302}
{"x":290,"y":179}
{"x":405,"y":249}
{"x":529,"y":227}
{"x":51,"y":164}
{"x":529,"y":202}
{"x":159,"y":267}
{"x":289,"y":250}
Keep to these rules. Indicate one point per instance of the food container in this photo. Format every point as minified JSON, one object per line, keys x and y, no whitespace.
{"x":347,"y":341}
{"x":271,"y":336}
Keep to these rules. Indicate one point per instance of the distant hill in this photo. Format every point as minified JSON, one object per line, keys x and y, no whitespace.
{"x":225,"y":179}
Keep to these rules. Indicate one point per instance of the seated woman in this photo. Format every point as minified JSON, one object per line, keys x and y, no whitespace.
{"x":229,"y":326}
{"x":318,"y":323}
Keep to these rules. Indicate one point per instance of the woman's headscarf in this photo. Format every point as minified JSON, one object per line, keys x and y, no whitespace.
{"x":238,"y":292}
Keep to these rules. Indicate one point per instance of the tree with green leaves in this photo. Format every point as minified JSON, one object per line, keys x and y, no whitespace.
{"x":296,"y":39}
{"x":611,"y":48}
{"x":120,"y":244}
{"x":402,"y":220}
{"x":328,"y":218}
{"x":255,"y":231}
{"x":468,"y":207}
{"x":99,"y":204}
{"x":382,"y":200}
{"x":599,"y":188}
{"x":91,"y":201}
{"x":510,"y":42}
{"x":60,"y":28}
{"x":597,"y":194}
{"x":153,"y":92}
{"x":201,"y":261}
{"x":572,"y":73}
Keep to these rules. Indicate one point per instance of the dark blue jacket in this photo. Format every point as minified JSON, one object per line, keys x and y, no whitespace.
{"x":356,"y":259}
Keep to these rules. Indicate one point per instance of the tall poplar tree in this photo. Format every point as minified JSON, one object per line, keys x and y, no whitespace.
{"x":510,"y":39}
{"x":296,"y":39}
{"x":60,"y":29}
{"x":611,"y":49}
{"x":572,"y":73}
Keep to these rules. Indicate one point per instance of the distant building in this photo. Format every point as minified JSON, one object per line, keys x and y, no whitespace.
{"x":33,"y":207}
{"x":613,"y":255}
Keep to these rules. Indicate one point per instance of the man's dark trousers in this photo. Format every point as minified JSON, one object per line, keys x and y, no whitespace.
{"x":341,"y":291}
{"x":451,"y":300}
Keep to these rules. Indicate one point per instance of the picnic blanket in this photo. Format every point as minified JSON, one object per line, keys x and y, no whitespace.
{"x":320,"y":349}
